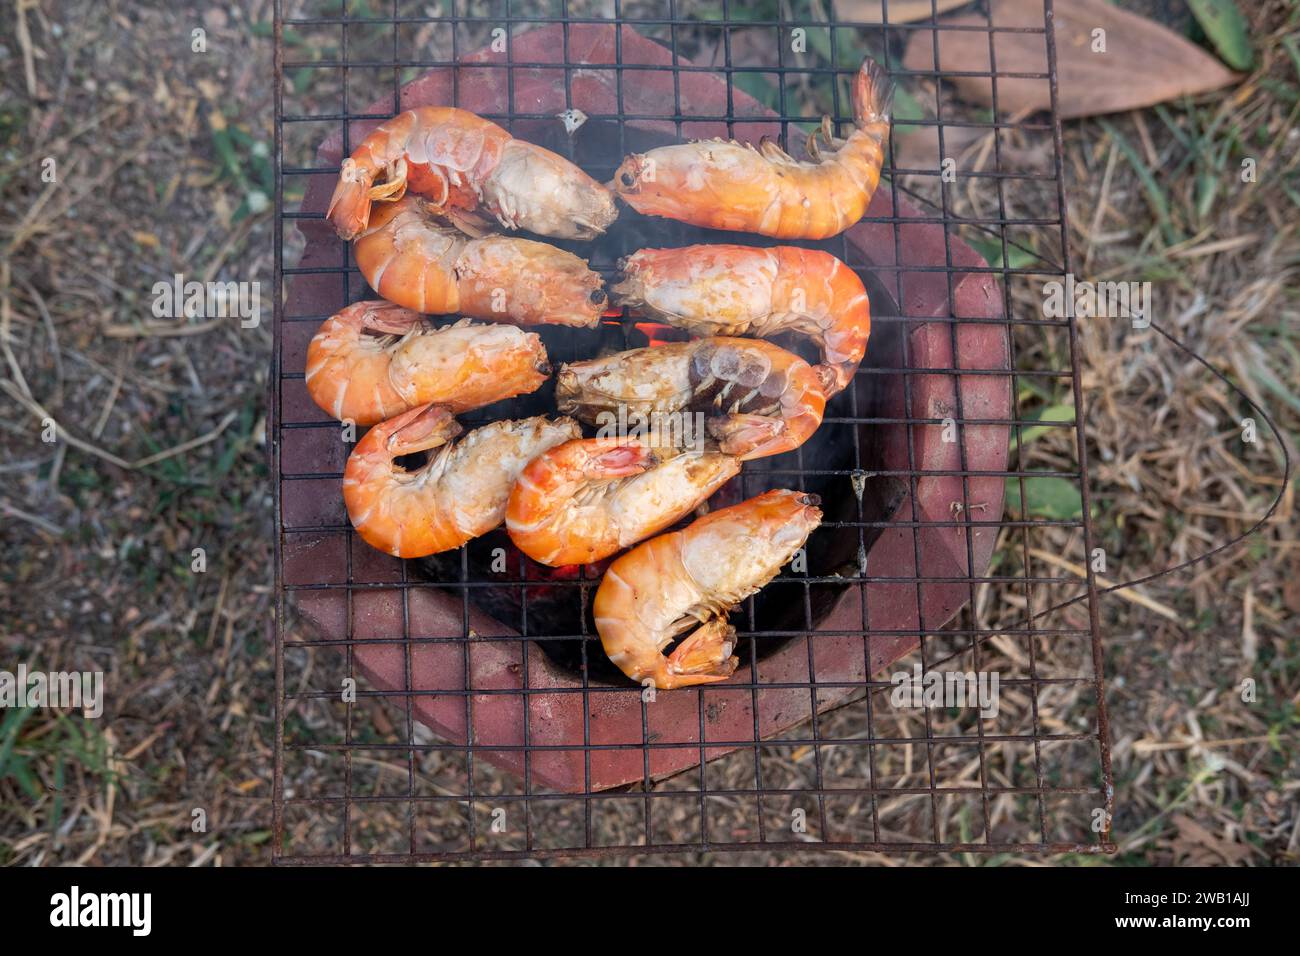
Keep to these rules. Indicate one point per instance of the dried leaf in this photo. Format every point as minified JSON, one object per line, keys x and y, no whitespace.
{"x":1143,"y":62}
{"x":1197,"y":846}
{"x":919,"y":148}
{"x":749,"y":46}
{"x":900,"y":11}
{"x":1249,"y":639}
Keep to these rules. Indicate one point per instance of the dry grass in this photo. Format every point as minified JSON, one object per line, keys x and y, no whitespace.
{"x":99,"y":525}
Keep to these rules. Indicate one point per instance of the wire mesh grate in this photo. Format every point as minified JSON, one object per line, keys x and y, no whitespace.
{"x":449,"y":711}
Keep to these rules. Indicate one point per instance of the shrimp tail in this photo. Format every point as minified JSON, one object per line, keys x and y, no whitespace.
{"x":349,"y":208}
{"x":425,"y":429}
{"x":828,"y":375}
{"x":468,"y":222}
{"x":391,"y":319}
{"x":744,"y":434}
{"x":704,"y":657}
{"x":873,"y":98}
{"x":622,"y":461}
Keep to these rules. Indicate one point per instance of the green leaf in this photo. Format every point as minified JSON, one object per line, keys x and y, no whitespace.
{"x":1052,"y":413}
{"x":906,"y":107}
{"x":1050,"y":497}
{"x":991,"y":250}
{"x":1207,"y":187}
{"x":23,"y":775}
{"x":712,"y":11}
{"x":1293,"y":51}
{"x":1227,"y":30}
{"x":56,"y":814}
{"x":759,"y":87}
{"x":1155,"y":195}
{"x":301,"y":79}
{"x":1264,"y":375}
{"x":224,"y":144}
{"x":1030,"y":389}
{"x":13,"y":721}
{"x":819,"y":39}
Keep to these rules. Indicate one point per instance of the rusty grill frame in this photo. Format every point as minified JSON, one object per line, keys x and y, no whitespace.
{"x":676,"y":20}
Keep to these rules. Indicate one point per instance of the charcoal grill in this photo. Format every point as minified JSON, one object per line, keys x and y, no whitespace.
{"x":483,"y":724}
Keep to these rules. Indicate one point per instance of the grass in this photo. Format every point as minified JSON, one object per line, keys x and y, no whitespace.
{"x":101,"y":576}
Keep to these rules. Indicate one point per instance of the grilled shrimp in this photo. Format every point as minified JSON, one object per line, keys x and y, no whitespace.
{"x":410,"y":259}
{"x":585,"y":499}
{"x":374,"y":360}
{"x":759,"y":399}
{"x":665,"y":587}
{"x":741,"y":290}
{"x":727,"y":185}
{"x":467,"y":166}
{"x":459,"y":494}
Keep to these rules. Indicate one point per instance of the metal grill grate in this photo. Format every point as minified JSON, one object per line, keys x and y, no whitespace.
{"x":805,"y":747}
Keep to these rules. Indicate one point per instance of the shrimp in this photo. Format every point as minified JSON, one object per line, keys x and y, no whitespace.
{"x":661,"y":589}
{"x":413,"y":261}
{"x":758,"y":399}
{"x":741,"y":290}
{"x":727,"y":185}
{"x":467,"y":167}
{"x":581,"y":501}
{"x":402,"y":362}
{"x":459,"y":494}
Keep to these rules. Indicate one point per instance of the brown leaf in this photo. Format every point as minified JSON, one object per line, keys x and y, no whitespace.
{"x":900,"y":11}
{"x":1144,"y":63}
{"x":1197,"y":846}
{"x":918,"y":148}
{"x":749,"y":46}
